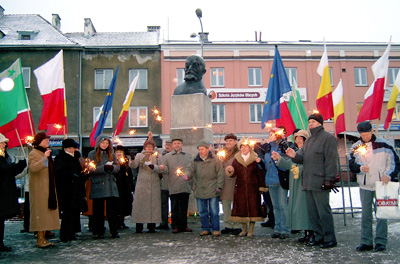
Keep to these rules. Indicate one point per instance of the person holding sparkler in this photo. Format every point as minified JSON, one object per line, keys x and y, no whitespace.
{"x":102,"y":167}
{"x":125,"y":186}
{"x":147,"y":200}
{"x":277,"y":191}
{"x":208,"y":175}
{"x":249,"y":172}
{"x":8,"y":190}
{"x":173,"y":165}
{"x":227,"y":155}
{"x":373,"y":159}
{"x":319,"y":157}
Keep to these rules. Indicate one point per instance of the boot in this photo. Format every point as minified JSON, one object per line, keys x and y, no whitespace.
{"x":250,"y":233}
{"x":244,"y":232}
{"x":41,"y":240}
{"x":304,"y":239}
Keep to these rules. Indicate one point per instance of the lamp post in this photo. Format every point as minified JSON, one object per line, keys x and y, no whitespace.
{"x":199,"y":14}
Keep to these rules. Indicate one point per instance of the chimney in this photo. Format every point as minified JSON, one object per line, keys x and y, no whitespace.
{"x":1,"y":11}
{"x":56,"y":21}
{"x":88,"y":30}
{"x":153,"y":29}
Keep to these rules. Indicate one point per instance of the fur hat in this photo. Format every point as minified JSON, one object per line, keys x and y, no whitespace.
{"x":3,"y":138}
{"x":69,"y":143}
{"x":39,"y":137}
{"x":149,"y":142}
{"x":364,"y":127}
{"x":301,"y":133}
{"x":317,"y":117}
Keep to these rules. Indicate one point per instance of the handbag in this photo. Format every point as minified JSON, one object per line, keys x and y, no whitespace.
{"x":387,"y":200}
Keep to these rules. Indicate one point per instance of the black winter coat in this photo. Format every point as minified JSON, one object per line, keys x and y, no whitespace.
{"x":8,"y":190}
{"x":125,"y":189}
{"x":70,"y":181}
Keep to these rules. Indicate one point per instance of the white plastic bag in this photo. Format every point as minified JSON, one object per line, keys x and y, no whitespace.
{"x":387,"y":200}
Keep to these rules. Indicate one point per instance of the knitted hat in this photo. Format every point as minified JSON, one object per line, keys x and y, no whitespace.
{"x":39,"y":137}
{"x":149,"y":142}
{"x":69,"y":143}
{"x":364,"y":127}
{"x":301,"y":133}
{"x":203,"y":143}
{"x":317,"y":117}
{"x":3,"y":138}
{"x":230,"y":136}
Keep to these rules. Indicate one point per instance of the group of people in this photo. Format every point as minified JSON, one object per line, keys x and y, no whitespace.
{"x":297,"y":178}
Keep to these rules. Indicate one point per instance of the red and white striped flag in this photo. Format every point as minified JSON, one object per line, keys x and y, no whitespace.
{"x":50,"y":79}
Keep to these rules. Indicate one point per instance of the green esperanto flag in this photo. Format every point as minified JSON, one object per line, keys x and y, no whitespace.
{"x":296,"y":108}
{"x":13,"y":101}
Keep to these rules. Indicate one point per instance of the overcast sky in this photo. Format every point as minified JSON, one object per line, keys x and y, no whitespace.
{"x":282,"y":20}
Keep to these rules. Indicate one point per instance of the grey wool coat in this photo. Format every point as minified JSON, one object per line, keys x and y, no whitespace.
{"x":147,"y":199}
{"x":297,"y":217}
{"x":172,"y":161}
{"x":319,"y":157}
{"x":104,"y":184}
{"x":208,"y":175}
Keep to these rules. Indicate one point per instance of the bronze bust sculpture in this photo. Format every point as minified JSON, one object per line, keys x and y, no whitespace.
{"x":195,"y":68}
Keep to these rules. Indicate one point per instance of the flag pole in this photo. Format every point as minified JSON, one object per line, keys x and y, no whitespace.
{"x":20,"y":142}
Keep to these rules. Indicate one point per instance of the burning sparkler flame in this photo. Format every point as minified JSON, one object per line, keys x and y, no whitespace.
{"x":122,"y":160}
{"x":132,"y":132}
{"x":221,"y":154}
{"x":57,"y":126}
{"x":194,"y":128}
{"x":209,"y":126}
{"x":118,"y":141}
{"x":89,"y":165}
{"x":29,"y":139}
{"x":315,"y":111}
{"x":2,"y":153}
{"x":179,"y":172}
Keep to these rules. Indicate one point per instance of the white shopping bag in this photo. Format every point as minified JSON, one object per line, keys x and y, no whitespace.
{"x":387,"y":200}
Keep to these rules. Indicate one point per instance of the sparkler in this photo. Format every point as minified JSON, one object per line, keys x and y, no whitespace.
{"x":194,"y":128}
{"x":122,"y":160}
{"x":2,"y":153}
{"x":132,"y":132}
{"x":209,"y":126}
{"x":362,"y":150}
{"x":315,"y":111}
{"x":118,"y":141}
{"x":156,"y":117}
{"x":89,"y":165}
{"x":29,"y":139}
{"x":179,"y":172}
{"x":221,"y":154}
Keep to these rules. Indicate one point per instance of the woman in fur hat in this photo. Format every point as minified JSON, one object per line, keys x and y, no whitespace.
{"x":147,"y":199}
{"x":250,"y":181}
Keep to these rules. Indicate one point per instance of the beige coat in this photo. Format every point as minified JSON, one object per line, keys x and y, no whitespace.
{"x":42,"y":218}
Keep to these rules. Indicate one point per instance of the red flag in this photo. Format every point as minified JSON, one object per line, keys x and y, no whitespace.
{"x":373,"y":99}
{"x":286,"y":119}
{"x":50,"y":79}
{"x":93,"y":133}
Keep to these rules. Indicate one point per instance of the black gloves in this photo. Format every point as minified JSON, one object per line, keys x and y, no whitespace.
{"x":108,"y":168}
{"x":329,"y":185}
{"x":151,"y":166}
{"x":21,"y":164}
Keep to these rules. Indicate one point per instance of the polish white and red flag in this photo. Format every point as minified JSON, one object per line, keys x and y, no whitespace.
{"x":50,"y":80}
{"x":373,"y":98}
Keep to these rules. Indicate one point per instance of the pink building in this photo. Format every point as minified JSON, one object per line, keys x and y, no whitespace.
{"x":242,"y":70}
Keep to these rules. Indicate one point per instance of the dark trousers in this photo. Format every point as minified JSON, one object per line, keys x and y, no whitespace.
{"x":179,"y":208}
{"x":320,"y":215}
{"x":98,"y":215}
{"x":269,"y":207}
{"x":164,"y":207}
{"x":70,"y":224}
{"x":2,"y":220}
{"x":27,"y":212}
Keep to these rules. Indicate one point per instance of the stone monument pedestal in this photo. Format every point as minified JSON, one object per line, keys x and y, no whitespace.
{"x":190,"y":114}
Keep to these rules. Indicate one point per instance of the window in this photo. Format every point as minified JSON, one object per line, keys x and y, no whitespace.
{"x":108,"y":123}
{"x":256,"y":113}
{"x":396,"y":113}
{"x":26,"y":72}
{"x":102,"y":79}
{"x":331,"y":75}
{"x":142,"y":82}
{"x":360,"y":76}
{"x":26,"y":34}
{"x":138,"y":116}
{"x":254,"y":77}
{"x":180,"y":76}
{"x":392,"y":74}
{"x":291,"y":73}
{"x":217,"y":77}
{"x":218,"y":113}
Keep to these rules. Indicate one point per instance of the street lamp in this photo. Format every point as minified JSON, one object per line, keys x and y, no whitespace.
{"x":199,"y":14}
